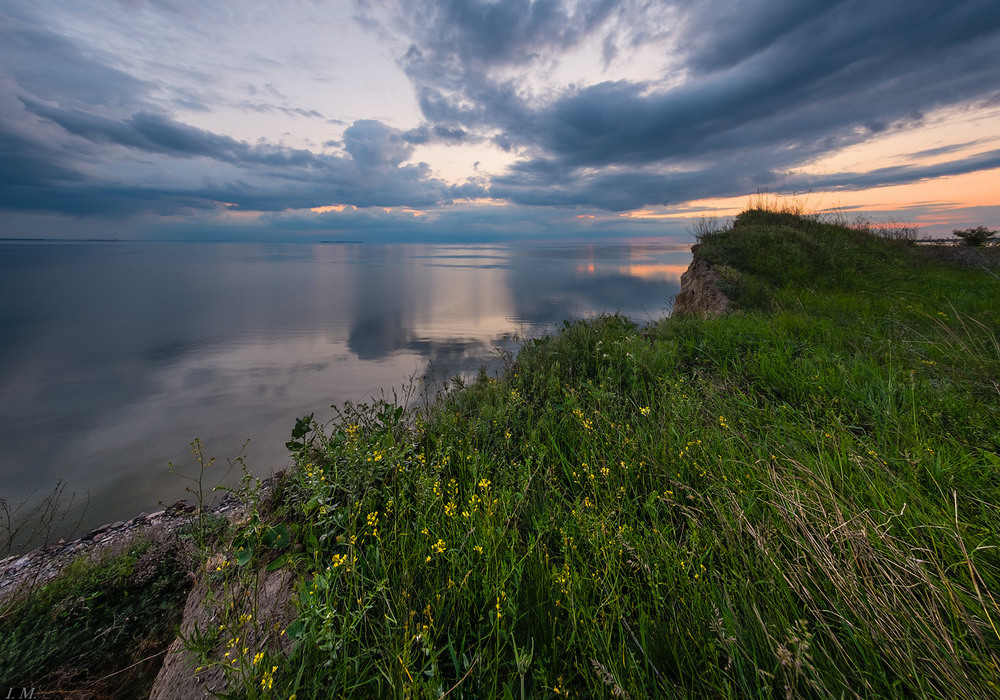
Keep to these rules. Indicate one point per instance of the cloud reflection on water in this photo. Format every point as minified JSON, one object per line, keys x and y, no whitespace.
{"x":113,"y":357}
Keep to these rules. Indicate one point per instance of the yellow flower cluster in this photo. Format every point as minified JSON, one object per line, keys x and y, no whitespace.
{"x":437,"y":548}
{"x":587,"y":423}
{"x":564,"y":579}
{"x":373,"y":523}
{"x":690,"y":444}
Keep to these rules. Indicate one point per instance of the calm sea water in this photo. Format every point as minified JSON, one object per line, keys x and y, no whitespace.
{"x":114,"y":357}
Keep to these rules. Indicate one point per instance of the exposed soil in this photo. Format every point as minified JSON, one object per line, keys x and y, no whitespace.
{"x":700,"y":295}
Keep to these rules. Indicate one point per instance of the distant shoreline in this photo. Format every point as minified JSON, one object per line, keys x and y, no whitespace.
{"x":158,"y":240}
{"x":63,"y":240}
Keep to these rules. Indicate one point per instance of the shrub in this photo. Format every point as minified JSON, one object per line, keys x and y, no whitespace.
{"x":703,"y":226}
{"x":891,"y":230}
{"x":975,"y":236}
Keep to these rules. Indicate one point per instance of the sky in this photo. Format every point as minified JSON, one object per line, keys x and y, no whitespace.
{"x":490,"y":120}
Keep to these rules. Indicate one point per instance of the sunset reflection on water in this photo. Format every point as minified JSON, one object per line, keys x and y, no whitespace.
{"x":115,"y":356}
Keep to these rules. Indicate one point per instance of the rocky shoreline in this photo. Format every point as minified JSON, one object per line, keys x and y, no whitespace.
{"x":44,"y":563}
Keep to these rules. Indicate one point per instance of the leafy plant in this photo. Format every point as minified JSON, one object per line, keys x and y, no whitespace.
{"x":974,"y":236}
{"x":205,"y":522}
{"x":257,"y":539}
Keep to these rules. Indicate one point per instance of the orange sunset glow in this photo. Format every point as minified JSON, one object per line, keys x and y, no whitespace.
{"x":621,"y":125}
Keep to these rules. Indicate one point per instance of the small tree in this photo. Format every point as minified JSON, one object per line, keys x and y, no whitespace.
{"x":975,"y":236}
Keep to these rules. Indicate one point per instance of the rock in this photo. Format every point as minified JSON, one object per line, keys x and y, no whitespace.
{"x":181,"y":506}
{"x":273,"y":608}
{"x":41,"y":564}
{"x":700,"y":295}
{"x":179,"y":677}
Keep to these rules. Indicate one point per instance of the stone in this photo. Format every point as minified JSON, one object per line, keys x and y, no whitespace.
{"x":700,"y":295}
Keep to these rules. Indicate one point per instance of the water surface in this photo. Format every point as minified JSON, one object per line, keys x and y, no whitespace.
{"x":115,"y":356}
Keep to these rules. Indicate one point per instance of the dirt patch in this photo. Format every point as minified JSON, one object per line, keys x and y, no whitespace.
{"x":700,"y":295}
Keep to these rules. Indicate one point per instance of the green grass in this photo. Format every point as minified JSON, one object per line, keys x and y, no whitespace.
{"x":799,"y":499}
{"x":100,"y":627}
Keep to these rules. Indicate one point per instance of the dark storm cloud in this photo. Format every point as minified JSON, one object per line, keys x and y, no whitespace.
{"x":897,"y":174}
{"x":82,"y":136}
{"x":439,"y":133}
{"x":463,"y":35}
{"x":156,"y":133}
{"x":25,"y":163}
{"x":752,"y":93}
{"x":540,"y":183}
{"x":621,"y":189}
{"x":273,"y":177}
{"x":772,"y":84}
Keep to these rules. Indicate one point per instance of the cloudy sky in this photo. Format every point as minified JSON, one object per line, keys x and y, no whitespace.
{"x":484,"y":119}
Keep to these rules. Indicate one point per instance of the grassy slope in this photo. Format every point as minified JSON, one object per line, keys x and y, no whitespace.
{"x":100,"y":628}
{"x":798,"y":499}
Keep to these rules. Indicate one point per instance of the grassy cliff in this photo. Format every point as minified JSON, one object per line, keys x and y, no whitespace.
{"x":800,"y":498}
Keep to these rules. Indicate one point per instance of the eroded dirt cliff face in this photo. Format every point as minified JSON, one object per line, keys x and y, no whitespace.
{"x":267,"y":608}
{"x":700,"y":295}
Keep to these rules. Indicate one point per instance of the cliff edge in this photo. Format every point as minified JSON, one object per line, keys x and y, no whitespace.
{"x":700,"y":295}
